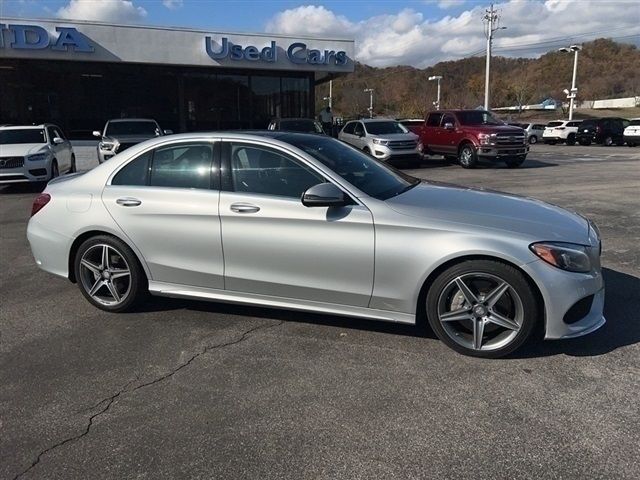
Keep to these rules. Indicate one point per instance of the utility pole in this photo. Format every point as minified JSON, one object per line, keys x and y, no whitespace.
{"x":491,"y":17}
{"x":370,"y":90}
{"x":574,"y":91}
{"x":437,"y":78}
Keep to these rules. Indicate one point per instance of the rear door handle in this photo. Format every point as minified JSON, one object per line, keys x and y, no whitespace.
{"x":128,"y":202}
{"x":244,"y":208}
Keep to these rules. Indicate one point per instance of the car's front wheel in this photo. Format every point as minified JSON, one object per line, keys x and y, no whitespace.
{"x":109,"y":274}
{"x":467,"y":156}
{"x":533,"y":139}
{"x":482,"y":308}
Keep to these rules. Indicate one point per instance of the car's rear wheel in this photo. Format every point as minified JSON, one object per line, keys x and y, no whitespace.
{"x":467,"y":156}
{"x":482,"y":308}
{"x":533,"y":139}
{"x":109,"y":274}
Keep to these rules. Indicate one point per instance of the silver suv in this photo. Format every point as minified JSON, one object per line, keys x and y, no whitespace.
{"x":120,"y":134}
{"x":384,"y":139}
{"x":34,"y":153}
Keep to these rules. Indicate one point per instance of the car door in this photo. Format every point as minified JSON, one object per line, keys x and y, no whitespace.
{"x":448,"y":136}
{"x":275,"y":246}
{"x":431,"y":133}
{"x":359,"y":136}
{"x":346,"y":134}
{"x":166,"y":202}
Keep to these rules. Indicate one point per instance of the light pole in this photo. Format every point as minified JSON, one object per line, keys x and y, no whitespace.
{"x":330,"y":97}
{"x":370,"y":90}
{"x":437,"y":78}
{"x":491,"y":17}
{"x":574,"y":91}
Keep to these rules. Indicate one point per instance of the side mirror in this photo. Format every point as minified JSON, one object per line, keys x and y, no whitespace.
{"x":324,"y":195}
{"x":58,"y":140}
{"x":448,"y":126}
{"x":168,"y":132}
{"x":96,"y":133}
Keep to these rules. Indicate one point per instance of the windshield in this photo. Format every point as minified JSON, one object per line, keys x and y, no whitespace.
{"x":132,"y":128}
{"x":359,"y":169}
{"x":383,"y":128}
{"x":303,"y":126}
{"x":28,"y":135}
{"x":478,"y":117}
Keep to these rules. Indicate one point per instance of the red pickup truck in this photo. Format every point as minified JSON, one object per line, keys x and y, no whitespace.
{"x":471,"y":135}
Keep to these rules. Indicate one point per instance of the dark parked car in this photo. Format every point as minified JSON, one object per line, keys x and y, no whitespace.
{"x":605,"y":131}
{"x":300,"y":125}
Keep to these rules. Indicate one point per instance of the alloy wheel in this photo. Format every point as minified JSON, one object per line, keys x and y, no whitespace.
{"x":480,"y":311}
{"x":105,"y":275}
{"x":466,"y":156}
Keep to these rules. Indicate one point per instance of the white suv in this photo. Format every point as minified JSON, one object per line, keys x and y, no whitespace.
{"x":34,"y":153}
{"x":384,"y":139}
{"x":561,"y":131}
{"x":632,"y":132}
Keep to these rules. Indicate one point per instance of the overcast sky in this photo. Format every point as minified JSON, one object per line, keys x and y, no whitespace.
{"x":387,"y":32}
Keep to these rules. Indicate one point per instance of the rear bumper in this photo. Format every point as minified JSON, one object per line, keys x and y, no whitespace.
{"x":635,"y":139}
{"x":50,"y":249}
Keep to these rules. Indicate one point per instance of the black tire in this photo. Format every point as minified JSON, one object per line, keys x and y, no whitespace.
{"x":73,"y":164}
{"x":467,"y":156}
{"x":514,"y":162}
{"x":529,"y":305}
{"x":55,"y":171}
{"x":608,"y":141}
{"x":533,"y":139}
{"x":138,"y":284}
{"x":571,"y":139}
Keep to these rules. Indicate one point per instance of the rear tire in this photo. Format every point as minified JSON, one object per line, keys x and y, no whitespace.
{"x":467,"y":156}
{"x":109,"y":274}
{"x":474,"y":331}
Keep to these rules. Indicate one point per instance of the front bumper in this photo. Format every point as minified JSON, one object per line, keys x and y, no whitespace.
{"x":561,"y":290}
{"x":496,"y":153}
{"x":384,"y":153}
{"x":39,"y":171}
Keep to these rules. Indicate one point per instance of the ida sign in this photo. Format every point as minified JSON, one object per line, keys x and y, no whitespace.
{"x":35,"y":37}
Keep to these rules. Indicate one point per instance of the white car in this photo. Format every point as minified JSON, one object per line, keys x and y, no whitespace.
{"x":632,"y":133}
{"x":384,"y":139}
{"x":34,"y":153}
{"x":561,"y":131}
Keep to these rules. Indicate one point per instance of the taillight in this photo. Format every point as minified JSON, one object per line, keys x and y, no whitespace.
{"x":40,"y":201}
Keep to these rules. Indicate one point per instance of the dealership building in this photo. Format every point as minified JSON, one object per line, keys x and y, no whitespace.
{"x":80,"y":74}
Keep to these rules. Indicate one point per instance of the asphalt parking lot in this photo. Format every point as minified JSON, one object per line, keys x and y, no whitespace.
{"x":203,"y":390}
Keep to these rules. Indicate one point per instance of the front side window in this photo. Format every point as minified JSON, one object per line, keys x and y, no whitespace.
{"x":265,"y":171}
{"x":349,"y":128}
{"x":554,"y":124}
{"x":448,"y":118}
{"x":27,"y":135}
{"x":359,"y":129}
{"x":434,"y":120}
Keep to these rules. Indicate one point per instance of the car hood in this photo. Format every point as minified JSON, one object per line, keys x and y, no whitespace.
{"x":128,"y":138}
{"x":494,"y":210}
{"x":21,"y":149}
{"x":395,"y":136}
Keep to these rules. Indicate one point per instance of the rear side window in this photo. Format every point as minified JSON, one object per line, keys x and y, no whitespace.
{"x":433,"y":120}
{"x":554,"y":124}
{"x":573,"y":124}
{"x":182,"y":166}
{"x":135,"y":172}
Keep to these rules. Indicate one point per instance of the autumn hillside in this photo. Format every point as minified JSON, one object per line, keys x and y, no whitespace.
{"x":606,"y":69}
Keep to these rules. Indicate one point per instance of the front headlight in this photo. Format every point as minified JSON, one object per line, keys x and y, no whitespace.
{"x":487,"y":138}
{"x":38,"y":157}
{"x":378,"y":141}
{"x":567,"y":256}
{"x":105,"y":146}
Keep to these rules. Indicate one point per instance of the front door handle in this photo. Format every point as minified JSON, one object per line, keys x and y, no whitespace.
{"x":128,"y":202}
{"x":244,"y":208}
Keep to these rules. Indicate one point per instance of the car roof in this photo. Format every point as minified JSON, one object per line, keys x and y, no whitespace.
{"x":375,"y":120}
{"x":116,"y":120}
{"x":23,"y":127}
{"x":292,"y":119}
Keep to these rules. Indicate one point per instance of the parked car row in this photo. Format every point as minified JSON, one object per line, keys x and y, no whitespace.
{"x":602,"y":131}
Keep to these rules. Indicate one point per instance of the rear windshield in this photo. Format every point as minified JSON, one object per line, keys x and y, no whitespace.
{"x":478,"y":117}
{"x":382,"y":128}
{"x":132,"y":128}
{"x":554,"y":124}
{"x":28,"y":135}
{"x":304,"y":126}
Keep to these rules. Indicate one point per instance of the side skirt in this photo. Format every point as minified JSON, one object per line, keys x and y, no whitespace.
{"x":185,"y":291}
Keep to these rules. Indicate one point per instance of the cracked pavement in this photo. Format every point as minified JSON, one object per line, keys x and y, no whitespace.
{"x":203,"y":390}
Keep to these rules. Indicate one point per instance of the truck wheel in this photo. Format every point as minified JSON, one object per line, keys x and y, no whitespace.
{"x":571,"y":139}
{"x":514,"y":162}
{"x":467,"y":156}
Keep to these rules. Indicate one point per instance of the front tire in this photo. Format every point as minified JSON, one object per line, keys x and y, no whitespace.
{"x":482,"y":308}
{"x":467,"y":156}
{"x":109,"y":274}
{"x":533,"y":139}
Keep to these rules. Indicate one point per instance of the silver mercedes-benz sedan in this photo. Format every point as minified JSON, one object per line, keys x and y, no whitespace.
{"x":307,"y":222}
